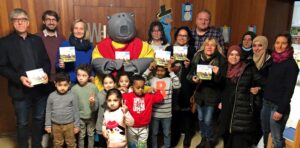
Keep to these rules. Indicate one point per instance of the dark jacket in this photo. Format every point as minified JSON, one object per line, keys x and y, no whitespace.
{"x":281,"y":84}
{"x":238,"y":103}
{"x":12,"y":64}
{"x":208,"y":91}
{"x":183,"y":95}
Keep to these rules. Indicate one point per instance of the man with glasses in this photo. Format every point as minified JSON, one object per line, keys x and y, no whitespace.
{"x":51,"y":37}
{"x":203,"y":30}
{"x":21,"y":52}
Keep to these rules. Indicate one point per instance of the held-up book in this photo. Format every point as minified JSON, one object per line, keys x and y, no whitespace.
{"x":162,"y":57}
{"x":122,"y":55}
{"x":67,"y":54}
{"x":204,"y":72}
{"x":180,"y":52}
{"x":36,"y":76}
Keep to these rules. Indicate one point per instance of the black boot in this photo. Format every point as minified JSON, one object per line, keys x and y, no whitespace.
{"x":187,"y":140}
{"x":209,"y":144}
{"x":202,"y":143}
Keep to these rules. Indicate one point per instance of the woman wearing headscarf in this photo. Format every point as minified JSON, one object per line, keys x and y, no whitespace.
{"x":237,"y":101}
{"x":279,"y":90}
{"x":262,"y":60}
{"x":246,"y":46}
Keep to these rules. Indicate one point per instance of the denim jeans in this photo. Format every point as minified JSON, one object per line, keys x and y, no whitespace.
{"x":205,"y":115}
{"x":166,"y":127}
{"x":270,"y":125}
{"x":36,"y":106}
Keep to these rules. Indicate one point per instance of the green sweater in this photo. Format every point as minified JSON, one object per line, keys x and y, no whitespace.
{"x":84,"y":93}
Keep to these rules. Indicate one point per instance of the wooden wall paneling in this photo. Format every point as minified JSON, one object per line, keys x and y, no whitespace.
{"x":211,"y":6}
{"x":244,"y":13}
{"x":7,"y":113}
{"x":104,"y":3}
{"x":67,"y":16}
{"x":277,"y":19}
{"x":152,"y":10}
{"x":4,"y":24}
{"x":33,"y":17}
{"x":16,"y":3}
{"x":222,"y":13}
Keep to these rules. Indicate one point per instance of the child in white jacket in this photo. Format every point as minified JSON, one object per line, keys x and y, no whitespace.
{"x":116,"y":118}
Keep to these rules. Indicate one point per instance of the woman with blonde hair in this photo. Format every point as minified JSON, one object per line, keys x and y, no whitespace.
{"x":208,"y":91}
{"x":79,"y":39}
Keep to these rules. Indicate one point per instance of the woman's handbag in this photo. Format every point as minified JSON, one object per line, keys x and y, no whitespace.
{"x":193,"y":102}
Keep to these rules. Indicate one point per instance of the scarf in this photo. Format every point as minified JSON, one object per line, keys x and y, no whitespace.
{"x":209,"y":60}
{"x":236,"y":70}
{"x":280,"y":57}
{"x":246,"y":49}
{"x":260,"y":57}
{"x":80,"y":44}
{"x":107,"y":50}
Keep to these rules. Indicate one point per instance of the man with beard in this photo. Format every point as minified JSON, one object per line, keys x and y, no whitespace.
{"x":52,"y":38}
{"x":203,"y":30}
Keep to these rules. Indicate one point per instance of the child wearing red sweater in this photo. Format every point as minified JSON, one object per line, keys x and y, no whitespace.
{"x":140,"y":107}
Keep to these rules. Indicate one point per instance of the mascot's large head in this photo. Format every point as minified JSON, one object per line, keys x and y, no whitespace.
{"x":121,"y":27}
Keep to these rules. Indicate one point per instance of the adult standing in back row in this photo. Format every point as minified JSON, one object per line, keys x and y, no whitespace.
{"x":21,"y":52}
{"x":279,"y":90}
{"x":203,"y":30}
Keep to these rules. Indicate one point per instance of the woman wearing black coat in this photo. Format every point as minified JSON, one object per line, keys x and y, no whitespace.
{"x":181,"y":115}
{"x":279,"y":90}
{"x":263,"y":61}
{"x":238,"y":104}
{"x":208,"y":91}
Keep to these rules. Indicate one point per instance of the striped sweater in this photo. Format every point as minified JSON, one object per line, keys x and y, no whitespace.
{"x":165,"y":86}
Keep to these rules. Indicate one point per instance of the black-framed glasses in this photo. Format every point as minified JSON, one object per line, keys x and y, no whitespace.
{"x":20,"y":20}
{"x":50,"y":20}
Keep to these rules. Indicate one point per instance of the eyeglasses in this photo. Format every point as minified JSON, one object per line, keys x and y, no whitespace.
{"x":20,"y":20}
{"x":50,"y":20}
{"x":183,"y":36}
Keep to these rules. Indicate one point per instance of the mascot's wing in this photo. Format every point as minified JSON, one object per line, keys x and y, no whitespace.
{"x":138,"y":66}
{"x":104,"y":65}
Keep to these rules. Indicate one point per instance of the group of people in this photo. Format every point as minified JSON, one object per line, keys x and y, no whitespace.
{"x":121,"y":103}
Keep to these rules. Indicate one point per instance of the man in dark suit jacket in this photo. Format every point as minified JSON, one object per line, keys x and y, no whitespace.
{"x":21,"y":52}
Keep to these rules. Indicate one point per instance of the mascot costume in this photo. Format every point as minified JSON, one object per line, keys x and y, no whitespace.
{"x":122,"y":37}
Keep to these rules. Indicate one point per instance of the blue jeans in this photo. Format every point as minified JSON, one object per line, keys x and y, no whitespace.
{"x":270,"y":125}
{"x":166,"y":127}
{"x":36,"y":106}
{"x":205,"y":114}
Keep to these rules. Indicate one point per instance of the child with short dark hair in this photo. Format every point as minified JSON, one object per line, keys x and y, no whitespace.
{"x":116,"y":118}
{"x":62,"y":114}
{"x":86,"y":92}
{"x":124,"y":82}
{"x":140,"y":107}
{"x":165,"y":80}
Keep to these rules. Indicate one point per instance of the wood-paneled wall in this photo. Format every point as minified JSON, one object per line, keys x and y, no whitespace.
{"x":93,"y":11}
{"x":269,"y":16}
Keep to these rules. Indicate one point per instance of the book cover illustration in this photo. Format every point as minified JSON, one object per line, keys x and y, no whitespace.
{"x":67,"y":54}
{"x":36,"y":76}
{"x":162,"y":57}
{"x":122,"y":55}
{"x":204,"y":72}
{"x":180,"y":52}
